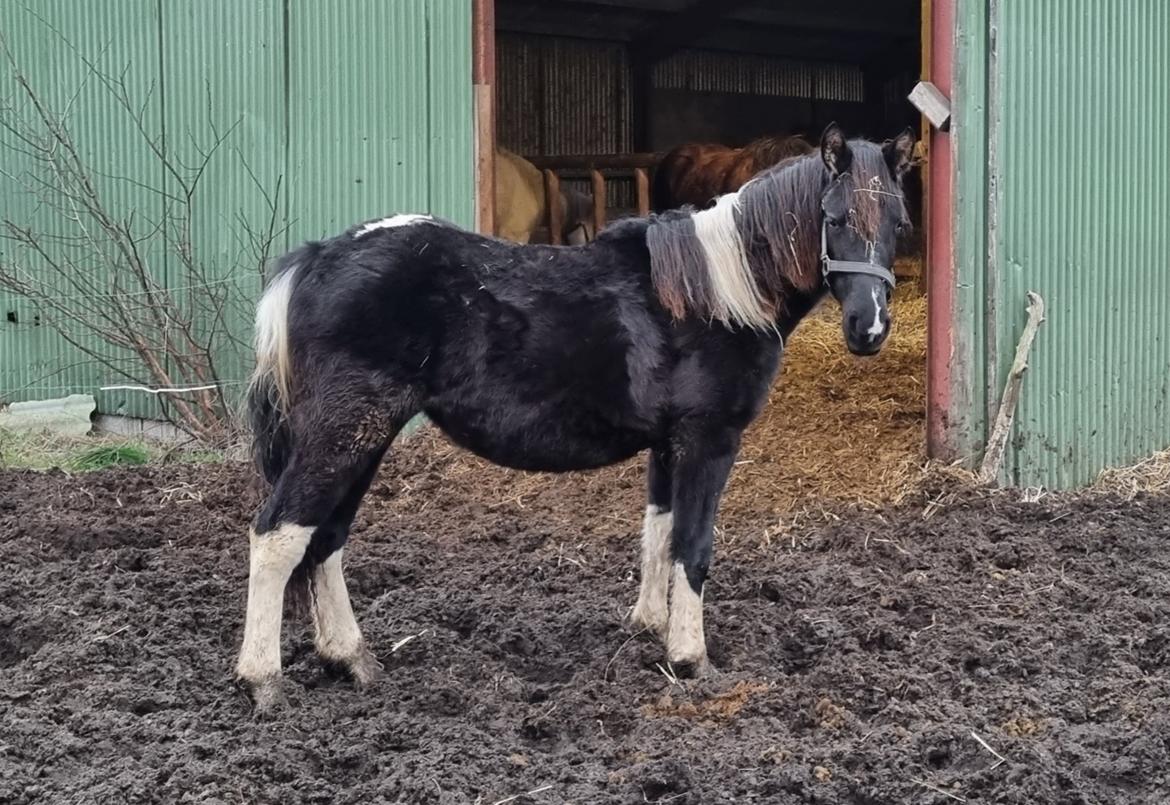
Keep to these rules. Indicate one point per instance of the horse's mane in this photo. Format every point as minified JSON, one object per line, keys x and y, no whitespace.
{"x":740,"y":261}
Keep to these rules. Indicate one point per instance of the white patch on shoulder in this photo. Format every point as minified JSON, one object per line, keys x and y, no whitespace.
{"x":876,"y":328}
{"x":403,"y":219}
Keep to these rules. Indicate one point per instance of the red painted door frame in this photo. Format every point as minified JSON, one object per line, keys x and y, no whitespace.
{"x":940,"y":247}
{"x":483,"y":82}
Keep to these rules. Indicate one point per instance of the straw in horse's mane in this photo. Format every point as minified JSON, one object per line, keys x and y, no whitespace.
{"x":738,"y":262}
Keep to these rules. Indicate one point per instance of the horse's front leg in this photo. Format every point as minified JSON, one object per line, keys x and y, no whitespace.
{"x":651,"y":612}
{"x":700,"y":468}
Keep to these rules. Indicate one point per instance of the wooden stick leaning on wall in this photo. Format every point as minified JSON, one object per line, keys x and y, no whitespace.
{"x":993,"y":456}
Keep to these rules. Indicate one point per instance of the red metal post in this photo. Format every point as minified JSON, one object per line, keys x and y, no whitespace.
{"x":483,"y":79}
{"x":940,"y":252}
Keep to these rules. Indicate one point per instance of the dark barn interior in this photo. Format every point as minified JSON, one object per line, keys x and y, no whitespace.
{"x":595,"y":92}
{"x":611,"y":77}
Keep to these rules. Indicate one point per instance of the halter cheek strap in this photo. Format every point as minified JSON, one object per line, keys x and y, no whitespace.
{"x":831,"y":266}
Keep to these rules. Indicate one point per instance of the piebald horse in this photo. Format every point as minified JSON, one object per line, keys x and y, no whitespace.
{"x":664,"y":335}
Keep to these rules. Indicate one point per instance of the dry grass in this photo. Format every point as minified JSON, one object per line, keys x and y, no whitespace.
{"x":715,"y":709}
{"x":43,"y":451}
{"x":1149,"y":476}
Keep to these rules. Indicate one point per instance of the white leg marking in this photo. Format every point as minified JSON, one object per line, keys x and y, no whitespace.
{"x":876,"y":328}
{"x":405,"y":219}
{"x":685,"y":642}
{"x":338,"y":636}
{"x":651,"y":610}
{"x":274,"y":556}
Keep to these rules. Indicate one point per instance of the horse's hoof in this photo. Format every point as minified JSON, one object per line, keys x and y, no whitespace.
{"x":267,"y":695}
{"x":642,"y":621}
{"x":698,"y":669}
{"x":365,"y":668}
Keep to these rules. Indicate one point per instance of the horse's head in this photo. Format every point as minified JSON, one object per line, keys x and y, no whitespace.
{"x":863,"y":215}
{"x":578,"y":217}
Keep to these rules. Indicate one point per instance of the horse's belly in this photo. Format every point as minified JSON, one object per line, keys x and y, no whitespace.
{"x":525,"y":440}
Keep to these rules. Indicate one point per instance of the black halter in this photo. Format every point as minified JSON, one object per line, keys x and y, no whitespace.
{"x":830,"y":266}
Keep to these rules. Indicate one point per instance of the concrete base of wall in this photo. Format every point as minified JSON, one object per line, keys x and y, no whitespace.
{"x":146,"y":429}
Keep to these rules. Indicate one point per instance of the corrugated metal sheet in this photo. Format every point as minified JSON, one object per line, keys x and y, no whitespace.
{"x":35,"y":361}
{"x":339,"y":112}
{"x":562,"y":96}
{"x":379,"y":112}
{"x":1080,"y":117}
{"x":708,"y":71}
{"x":207,"y":47}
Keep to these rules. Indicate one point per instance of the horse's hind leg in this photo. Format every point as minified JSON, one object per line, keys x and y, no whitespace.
{"x":274,"y":553}
{"x":337,"y":636}
{"x":334,"y":455}
{"x":650,"y":612}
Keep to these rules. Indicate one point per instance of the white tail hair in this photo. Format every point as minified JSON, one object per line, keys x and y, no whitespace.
{"x":273,"y":362}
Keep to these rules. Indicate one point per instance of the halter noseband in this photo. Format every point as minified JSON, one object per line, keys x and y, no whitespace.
{"x":831,"y":266}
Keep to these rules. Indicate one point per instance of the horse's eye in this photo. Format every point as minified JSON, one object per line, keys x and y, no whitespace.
{"x":834,"y":222}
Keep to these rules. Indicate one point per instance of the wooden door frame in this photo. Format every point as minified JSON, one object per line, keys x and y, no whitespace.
{"x":938,"y":34}
{"x":483,"y":80}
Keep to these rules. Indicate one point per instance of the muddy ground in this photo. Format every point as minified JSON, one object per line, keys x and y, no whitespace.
{"x":859,"y":654}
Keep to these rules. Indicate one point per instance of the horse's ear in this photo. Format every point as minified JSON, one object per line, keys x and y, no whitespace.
{"x":899,"y":152}
{"x":834,"y":150}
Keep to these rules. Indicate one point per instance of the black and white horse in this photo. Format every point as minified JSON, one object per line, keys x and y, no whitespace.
{"x":664,"y":334}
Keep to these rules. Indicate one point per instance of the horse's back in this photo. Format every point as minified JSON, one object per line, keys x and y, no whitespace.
{"x":519,"y":195}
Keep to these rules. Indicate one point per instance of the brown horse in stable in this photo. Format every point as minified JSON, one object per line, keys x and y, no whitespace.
{"x":697,"y":173}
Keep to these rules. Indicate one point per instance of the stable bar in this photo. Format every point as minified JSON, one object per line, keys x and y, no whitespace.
{"x":598,"y":182}
{"x":554,"y":209}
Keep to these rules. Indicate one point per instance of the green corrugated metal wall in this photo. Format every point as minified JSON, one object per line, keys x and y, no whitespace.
{"x":352,"y":108}
{"x":1077,"y":120}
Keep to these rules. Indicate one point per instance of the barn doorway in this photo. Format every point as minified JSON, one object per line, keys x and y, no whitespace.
{"x":593,"y":93}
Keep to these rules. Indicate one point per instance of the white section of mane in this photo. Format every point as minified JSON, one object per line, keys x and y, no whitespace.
{"x":402,"y":219}
{"x":732,"y":281}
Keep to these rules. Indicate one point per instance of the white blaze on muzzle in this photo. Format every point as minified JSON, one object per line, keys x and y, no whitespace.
{"x":877,"y":328}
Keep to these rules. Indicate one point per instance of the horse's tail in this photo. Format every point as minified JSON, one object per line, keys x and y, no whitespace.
{"x":269,"y":392}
